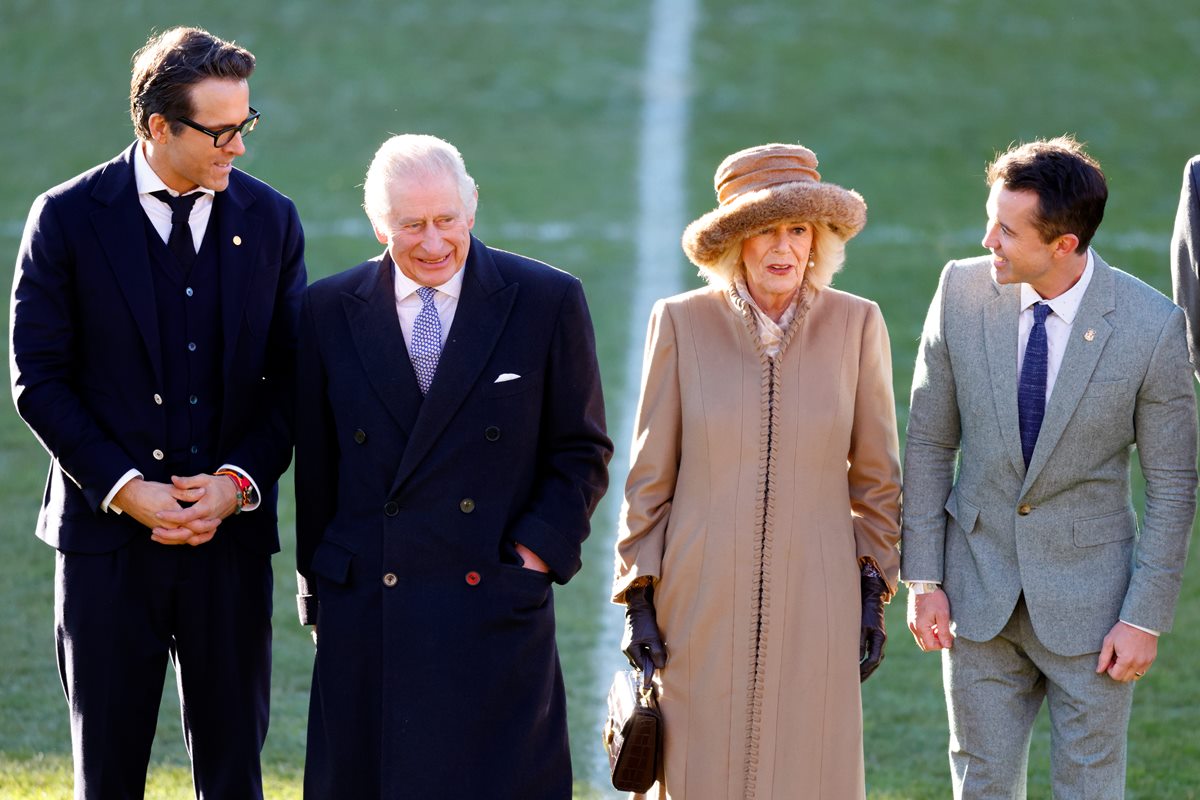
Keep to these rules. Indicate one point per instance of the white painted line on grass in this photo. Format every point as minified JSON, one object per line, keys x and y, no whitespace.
{"x":658,"y":272}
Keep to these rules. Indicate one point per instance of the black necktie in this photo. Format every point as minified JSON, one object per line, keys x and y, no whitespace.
{"x":180,"y":241}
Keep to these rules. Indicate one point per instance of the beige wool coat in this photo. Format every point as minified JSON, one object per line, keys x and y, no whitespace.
{"x":756,"y":488}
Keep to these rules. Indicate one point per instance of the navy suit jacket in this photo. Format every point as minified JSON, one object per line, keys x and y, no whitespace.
{"x":85,"y":350}
{"x":407,"y":511}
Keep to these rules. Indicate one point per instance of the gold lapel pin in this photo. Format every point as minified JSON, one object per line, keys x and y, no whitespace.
{"x":237,"y":241}
{"x":1089,"y":335}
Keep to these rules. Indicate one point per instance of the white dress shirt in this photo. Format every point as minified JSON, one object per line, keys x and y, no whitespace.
{"x":408,"y":303}
{"x":159,"y":213}
{"x":1058,"y":323}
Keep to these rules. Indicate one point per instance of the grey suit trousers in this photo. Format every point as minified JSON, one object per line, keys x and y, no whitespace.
{"x":994,"y":690}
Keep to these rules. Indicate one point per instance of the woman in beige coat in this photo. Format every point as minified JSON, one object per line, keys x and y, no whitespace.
{"x":762,"y":509}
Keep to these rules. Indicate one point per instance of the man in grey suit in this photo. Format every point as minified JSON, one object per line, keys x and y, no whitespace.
{"x":1040,"y":368}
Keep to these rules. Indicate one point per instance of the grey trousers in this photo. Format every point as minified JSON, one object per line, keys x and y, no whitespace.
{"x":994,"y":690}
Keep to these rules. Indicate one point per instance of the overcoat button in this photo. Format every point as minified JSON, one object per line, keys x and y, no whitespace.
{"x":158,"y":399}
{"x":390,"y":580}
{"x":1024,"y":509}
{"x":466,"y":505}
{"x":472,"y":578}
{"x":158,"y":455}
{"x":360,"y":435}
{"x":492,"y":433}
{"x":391,"y":509}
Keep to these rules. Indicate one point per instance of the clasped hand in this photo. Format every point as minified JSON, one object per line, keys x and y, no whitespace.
{"x":158,"y":506}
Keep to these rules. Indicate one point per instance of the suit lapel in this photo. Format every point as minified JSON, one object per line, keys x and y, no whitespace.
{"x":120,"y":227}
{"x":1000,"y":319}
{"x":1078,"y":363}
{"x":375,"y":328}
{"x":237,"y":241}
{"x":479,"y":321}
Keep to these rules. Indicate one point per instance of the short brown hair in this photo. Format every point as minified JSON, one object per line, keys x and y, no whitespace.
{"x":169,"y":64}
{"x":1069,"y":184}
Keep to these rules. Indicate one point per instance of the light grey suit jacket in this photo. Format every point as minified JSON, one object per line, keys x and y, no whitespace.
{"x":1185,"y":255}
{"x":1064,"y":532}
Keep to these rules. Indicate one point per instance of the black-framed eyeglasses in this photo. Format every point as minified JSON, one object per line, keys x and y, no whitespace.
{"x":225,"y":135}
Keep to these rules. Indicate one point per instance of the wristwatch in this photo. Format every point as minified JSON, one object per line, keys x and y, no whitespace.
{"x":922,"y":587}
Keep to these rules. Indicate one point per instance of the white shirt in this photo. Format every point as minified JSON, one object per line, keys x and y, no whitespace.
{"x":408,"y":303}
{"x":159,"y":213}
{"x":1058,"y":323}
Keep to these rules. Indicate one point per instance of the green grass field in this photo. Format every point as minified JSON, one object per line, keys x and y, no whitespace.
{"x":904,"y":101}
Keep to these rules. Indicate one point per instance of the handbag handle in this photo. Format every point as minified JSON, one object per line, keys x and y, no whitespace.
{"x":647,"y":673}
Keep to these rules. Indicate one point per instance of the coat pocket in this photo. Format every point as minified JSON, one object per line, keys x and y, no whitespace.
{"x":1118,"y":526}
{"x":962,"y":512}
{"x":514,"y":386}
{"x":332,"y":562}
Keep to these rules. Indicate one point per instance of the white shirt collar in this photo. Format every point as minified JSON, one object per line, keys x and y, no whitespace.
{"x":405,"y":286}
{"x":147,"y":179}
{"x":1066,"y":305}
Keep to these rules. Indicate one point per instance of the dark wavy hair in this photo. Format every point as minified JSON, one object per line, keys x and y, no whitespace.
{"x":1069,"y":184}
{"x":169,"y":64}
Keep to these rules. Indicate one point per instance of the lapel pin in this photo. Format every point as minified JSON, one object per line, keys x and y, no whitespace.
{"x":237,"y":241}
{"x":1089,"y":335}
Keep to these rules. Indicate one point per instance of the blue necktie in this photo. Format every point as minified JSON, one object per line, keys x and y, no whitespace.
{"x":180,"y":241}
{"x":426,"y":346}
{"x":1031,"y":390}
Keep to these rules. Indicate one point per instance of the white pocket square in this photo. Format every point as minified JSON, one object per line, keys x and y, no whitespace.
{"x":506,"y":376}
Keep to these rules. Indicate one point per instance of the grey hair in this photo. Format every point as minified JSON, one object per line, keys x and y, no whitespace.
{"x":413,"y":155}
{"x":828,"y":254}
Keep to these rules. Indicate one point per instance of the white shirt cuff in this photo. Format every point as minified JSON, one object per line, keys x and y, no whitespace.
{"x":1140,"y":628}
{"x":107,"y":505}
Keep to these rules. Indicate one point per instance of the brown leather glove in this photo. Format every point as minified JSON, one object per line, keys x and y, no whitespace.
{"x":873,"y":634}
{"x":642,"y":641}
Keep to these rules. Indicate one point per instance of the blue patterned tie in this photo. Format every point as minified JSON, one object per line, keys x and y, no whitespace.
{"x":1031,"y":391}
{"x":426,"y":346}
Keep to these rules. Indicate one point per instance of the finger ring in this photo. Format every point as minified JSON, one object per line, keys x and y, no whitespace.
{"x":1139,"y":674}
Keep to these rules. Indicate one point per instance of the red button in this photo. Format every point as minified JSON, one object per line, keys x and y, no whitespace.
{"x":472,"y":578}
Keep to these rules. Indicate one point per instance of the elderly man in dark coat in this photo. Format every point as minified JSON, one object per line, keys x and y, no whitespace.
{"x":451,"y":449}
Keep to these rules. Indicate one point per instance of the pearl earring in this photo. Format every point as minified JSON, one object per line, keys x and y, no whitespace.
{"x":811,"y":263}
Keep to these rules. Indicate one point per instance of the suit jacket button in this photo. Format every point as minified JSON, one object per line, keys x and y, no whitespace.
{"x":391,"y":509}
{"x":472,"y":578}
{"x":466,"y":505}
{"x":492,"y":433}
{"x":360,"y":436}
{"x":157,"y":399}
{"x":158,"y":455}
{"x":1024,"y":509}
{"x":390,"y":580}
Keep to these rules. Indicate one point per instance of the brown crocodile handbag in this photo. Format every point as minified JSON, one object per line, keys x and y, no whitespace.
{"x":633,"y":731}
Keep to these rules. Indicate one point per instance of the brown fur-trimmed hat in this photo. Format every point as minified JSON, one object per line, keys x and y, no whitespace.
{"x":763,"y":185}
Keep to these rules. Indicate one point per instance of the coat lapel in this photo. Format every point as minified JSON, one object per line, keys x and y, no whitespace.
{"x":1000,"y":320}
{"x":121,"y":230}
{"x":375,"y":327}
{"x":1078,"y":363}
{"x":479,"y":321}
{"x":237,"y":240}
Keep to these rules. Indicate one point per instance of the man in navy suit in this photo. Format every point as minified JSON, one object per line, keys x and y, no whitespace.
{"x":450,"y":451}
{"x":153,"y":331}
